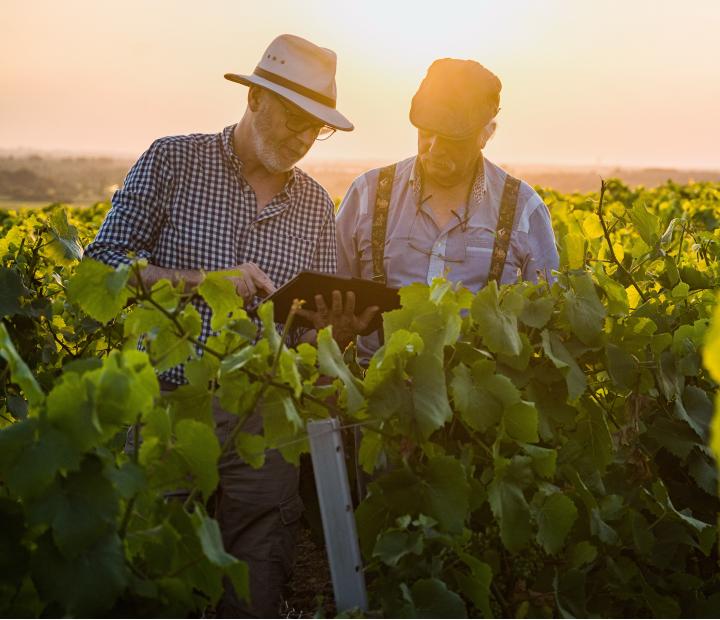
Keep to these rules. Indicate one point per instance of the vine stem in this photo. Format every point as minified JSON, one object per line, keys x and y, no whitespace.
{"x":131,"y":502}
{"x":606,"y":233}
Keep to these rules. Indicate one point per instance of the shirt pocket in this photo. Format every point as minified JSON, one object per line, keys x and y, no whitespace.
{"x":480,"y":241}
{"x":297,"y":251}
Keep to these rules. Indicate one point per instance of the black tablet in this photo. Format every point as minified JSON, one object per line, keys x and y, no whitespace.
{"x":307,"y":284}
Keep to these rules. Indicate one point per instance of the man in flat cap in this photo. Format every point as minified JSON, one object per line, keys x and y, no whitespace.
{"x":235,"y":200}
{"x":447,"y":211}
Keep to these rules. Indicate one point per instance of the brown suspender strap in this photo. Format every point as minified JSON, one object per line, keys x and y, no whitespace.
{"x":379,"y":223}
{"x":503,"y":232}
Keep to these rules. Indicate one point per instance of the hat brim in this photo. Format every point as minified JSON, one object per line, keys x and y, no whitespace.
{"x":323,"y":113}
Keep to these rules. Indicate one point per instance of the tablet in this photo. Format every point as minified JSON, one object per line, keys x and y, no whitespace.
{"x":307,"y":284}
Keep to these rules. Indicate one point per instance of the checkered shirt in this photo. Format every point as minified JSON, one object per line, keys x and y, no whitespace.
{"x":186,"y":205}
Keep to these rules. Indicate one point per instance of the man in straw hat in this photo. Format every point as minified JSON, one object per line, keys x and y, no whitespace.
{"x":234,"y":201}
{"x":447,"y":211}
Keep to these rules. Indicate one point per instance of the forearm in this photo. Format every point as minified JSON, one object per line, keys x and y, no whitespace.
{"x":152,"y":273}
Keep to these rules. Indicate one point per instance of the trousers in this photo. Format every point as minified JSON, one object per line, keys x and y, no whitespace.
{"x":258,"y":511}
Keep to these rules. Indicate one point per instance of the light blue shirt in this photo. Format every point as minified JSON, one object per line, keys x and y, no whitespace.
{"x":418,"y":250}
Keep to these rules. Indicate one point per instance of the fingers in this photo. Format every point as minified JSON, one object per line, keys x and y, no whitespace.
{"x":366,"y":317}
{"x":245,"y":287}
{"x":337,"y":306}
{"x":350,"y":303}
{"x":320,"y":304}
{"x":260,"y":280}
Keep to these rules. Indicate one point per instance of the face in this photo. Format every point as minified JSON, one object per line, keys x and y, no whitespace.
{"x":449,"y":161}
{"x":277,"y":147}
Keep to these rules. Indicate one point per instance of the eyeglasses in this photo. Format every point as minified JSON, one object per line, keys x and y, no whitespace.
{"x":298,"y":122}
{"x":459,"y":140}
{"x":458,"y":256}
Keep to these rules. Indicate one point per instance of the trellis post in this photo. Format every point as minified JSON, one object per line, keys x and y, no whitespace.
{"x":338,"y":518}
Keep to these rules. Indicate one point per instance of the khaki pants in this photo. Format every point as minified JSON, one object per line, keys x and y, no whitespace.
{"x":258,"y":511}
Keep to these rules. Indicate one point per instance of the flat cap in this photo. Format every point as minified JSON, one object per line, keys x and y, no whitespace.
{"x":456,"y":98}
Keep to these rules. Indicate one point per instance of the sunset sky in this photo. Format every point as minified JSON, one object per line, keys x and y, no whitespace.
{"x":633,"y":82}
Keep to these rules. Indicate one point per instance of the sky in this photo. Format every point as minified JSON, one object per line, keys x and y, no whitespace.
{"x":585,"y":83}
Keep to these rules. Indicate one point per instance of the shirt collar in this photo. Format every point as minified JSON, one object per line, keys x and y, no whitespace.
{"x":227,"y":145}
{"x":479,"y":186}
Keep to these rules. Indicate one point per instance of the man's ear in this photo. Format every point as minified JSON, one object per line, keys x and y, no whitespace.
{"x":487,"y":133}
{"x":255,"y":95}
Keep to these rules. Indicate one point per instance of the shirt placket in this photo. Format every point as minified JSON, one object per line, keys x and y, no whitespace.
{"x":437,"y":264}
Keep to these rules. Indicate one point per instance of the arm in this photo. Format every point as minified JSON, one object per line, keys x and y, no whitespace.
{"x":139,"y":211}
{"x":133,"y":225}
{"x":543,"y":249}
{"x":347,"y":222}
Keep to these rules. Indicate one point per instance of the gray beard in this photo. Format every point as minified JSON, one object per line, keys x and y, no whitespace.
{"x":266,"y":154}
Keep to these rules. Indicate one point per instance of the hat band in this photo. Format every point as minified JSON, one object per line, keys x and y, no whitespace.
{"x":298,"y":88}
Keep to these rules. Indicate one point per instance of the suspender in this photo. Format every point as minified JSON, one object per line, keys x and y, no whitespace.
{"x":379,"y":223}
{"x":504,"y":228}
{"x":506,"y":217}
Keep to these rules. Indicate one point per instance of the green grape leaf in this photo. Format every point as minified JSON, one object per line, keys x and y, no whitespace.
{"x":80,"y":509}
{"x":19,"y":371}
{"x":99,"y":289}
{"x":497,"y":327}
{"x":220,"y":294}
{"x":476,"y":585}
{"x":521,"y":422}
{"x":573,"y":251}
{"x":431,"y":407}
{"x":622,"y":367}
{"x":282,"y":424}
{"x":511,"y":510}
{"x":86,"y":585}
{"x":555,"y":519}
{"x":37,"y":465}
{"x":251,"y":448}
{"x":63,"y":246}
{"x":562,"y":359}
{"x":332,"y":364}
{"x":647,"y":224}
{"x":199,"y":450}
{"x":583,"y":310}
{"x":615,"y":293}
{"x":481,"y":395}
{"x":394,"y":544}
{"x":289,"y":373}
{"x":432,"y":599}
{"x":445,"y":492}
{"x":570,"y":597}
{"x":208,"y":532}
{"x":371,"y":449}
{"x":582,"y":553}
{"x":70,"y":408}
{"x":543,"y":460}
{"x":12,"y":291}
{"x":537,"y":313}
{"x":594,"y":434}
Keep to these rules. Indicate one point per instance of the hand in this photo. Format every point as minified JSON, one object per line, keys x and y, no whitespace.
{"x":251,"y":281}
{"x":345,"y":323}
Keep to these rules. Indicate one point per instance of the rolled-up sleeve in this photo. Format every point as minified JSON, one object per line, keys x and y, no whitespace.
{"x":138,"y":211}
{"x":347,"y":226}
{"x":543,"y":256}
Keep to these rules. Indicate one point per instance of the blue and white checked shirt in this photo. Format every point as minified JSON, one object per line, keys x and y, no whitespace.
{"x":186,"y":205}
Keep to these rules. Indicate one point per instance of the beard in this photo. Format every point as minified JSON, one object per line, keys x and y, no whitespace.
{"x":266,"y":150}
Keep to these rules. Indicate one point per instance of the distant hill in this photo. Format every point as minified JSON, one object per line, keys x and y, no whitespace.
{"x":76,"y":179}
